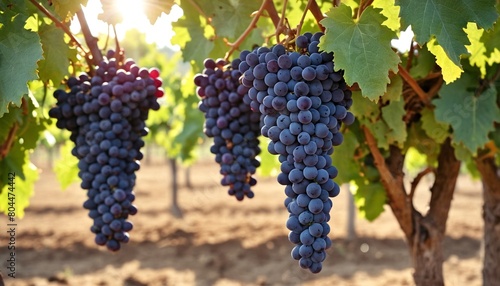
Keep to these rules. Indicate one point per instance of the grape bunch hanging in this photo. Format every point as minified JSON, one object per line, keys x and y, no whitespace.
{"x":231,"y":123}
{"x":106,"y":115}
{"x":304,"y":103}
{"x":301,"y":102}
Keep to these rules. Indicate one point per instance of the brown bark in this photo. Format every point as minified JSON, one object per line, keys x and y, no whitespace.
{"x":429,"y":231}
{"x":424,"y":234}
{"x":491,"y":214}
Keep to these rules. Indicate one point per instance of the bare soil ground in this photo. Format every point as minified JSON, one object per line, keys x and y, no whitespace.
{"x":221,"y":241}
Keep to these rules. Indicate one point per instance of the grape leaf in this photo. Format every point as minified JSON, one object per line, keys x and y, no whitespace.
{"x":67,"y":8}
{"x":343,"y":159}
{"x":394,"y":89}
{"x":491,"y":39}
{"x":438,"y":131}
{"x":19,"y":52}
{"x":110,"y":12}
{"x":23,"y":186}
{"x":55,"y":64}
{"x":362,"y":48}
{"x":231,"y":17}
{"x":190,"y":36}
{"x":449,"y":69}
{"x":365,"y":110}
{"x":369,"y":197}
{"x":472,"y":118}
{"x":380,"y":129}
{"x":14,"y":115}
{"x":446,"y":19}
{"x":418,"y":139}
{"x":393,"y":116}
{"x":476,"y":48}
{"x":423,"y":64}
{"x":66,"y":167}
{"x":154,"y":8}
{"x":390,"y":11}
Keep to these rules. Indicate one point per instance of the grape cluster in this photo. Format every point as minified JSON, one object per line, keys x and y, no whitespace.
{"x":231,"y":123}
{"x":304,"y":103}
{"x":106,"y":115}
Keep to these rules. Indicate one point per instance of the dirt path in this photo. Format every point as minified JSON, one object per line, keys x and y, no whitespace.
{"x":224,"y":242}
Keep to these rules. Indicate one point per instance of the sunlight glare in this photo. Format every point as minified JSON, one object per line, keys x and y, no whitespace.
{"x":134,"y":17}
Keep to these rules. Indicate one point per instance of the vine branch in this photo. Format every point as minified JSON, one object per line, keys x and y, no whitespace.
{"x":301,"y":22}
{"x":89,"y":39}
{"x":418,"y":178}
{"x":59,"y":24}
{"x":414,"y":85}
{"x":273,"y":14}
{"x":9,"y":141}
{"x":398,"y":200}
{"x":318,"y":15}
{"x":250,"y":27}
{"x":486,"y":83}
{"x":279,"y":29}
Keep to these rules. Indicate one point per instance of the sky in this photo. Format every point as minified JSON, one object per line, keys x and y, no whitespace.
{"x":133,"y":17}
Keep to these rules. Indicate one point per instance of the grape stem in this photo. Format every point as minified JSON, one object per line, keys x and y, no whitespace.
{"x":424,"y":97}
{"x":317,"y":15}
{"x":89,"y":39}
{"x":279,"y":28}
{"x":249,"y":29}
{"x":117,"y":43}
{"x":59,"y":24}
{"x":417,"y":180}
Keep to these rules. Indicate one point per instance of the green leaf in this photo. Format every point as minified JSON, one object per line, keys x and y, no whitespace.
{"x":190,"y":36}
{"x":446,"y":19}
{"x":414,"y":162}
{"x":231,"y":17}
{"x":31,"y":127}
{"x":19,"y":52}
{"x":438,"y":131}
{"x":472,"y":118}
{"x":269,"y":163}
{"x":13,"y":162}
{"x":365,"y":110}
{"x":14,"y":115}
{"x":390,"y":11}
{"x":449,"y":69}
{"x":66,"y":168}
{"x":394,"y":89}
{"x":380,"y":129}
{"x":343,"y":159}
{"x":369,"y":197}
{"x":154,"y":8}
{"x":67,"y":8}
{"x":393,"y":116}
{"x":362,"y":48}
{"x":55,"y":64}
{"x":419,"y":140}
{"x":476,"y":48}
{"x":491,"y":39}
{"x":24,"y":188}
{"x":423,"y":64}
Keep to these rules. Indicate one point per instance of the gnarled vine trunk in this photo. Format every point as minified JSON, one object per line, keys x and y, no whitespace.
{"x":491,"y":215}
{"x":424,"y":233}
